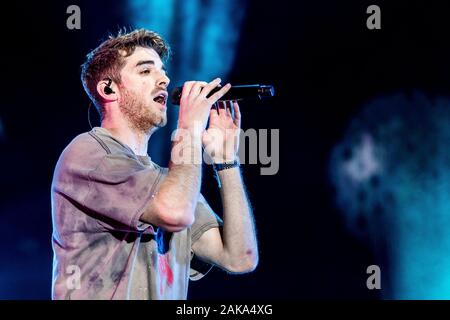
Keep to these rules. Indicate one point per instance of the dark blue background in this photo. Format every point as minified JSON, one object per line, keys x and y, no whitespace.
{"x":324,"y":64}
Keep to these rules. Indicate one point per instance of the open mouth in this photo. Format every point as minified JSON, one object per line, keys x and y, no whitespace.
{"x":161,"y":99}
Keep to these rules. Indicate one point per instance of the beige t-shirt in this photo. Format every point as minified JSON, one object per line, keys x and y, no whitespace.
{"x":101,"y":249}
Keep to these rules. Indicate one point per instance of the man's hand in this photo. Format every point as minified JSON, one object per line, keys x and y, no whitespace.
{"x":234,"y":248}
{"x":195,"y":106}
{"x":221,"y":140}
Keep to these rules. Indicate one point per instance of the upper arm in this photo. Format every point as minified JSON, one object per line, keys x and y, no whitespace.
{"x":209,"y":247}
{"x":206,"y":235}
{"x":120,"y":189}
{"x":113,"y":189}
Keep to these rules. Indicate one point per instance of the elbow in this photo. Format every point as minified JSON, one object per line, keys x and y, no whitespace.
{"x":250,"y":266}
{"x":175,"y":220}
{"x":245,"y":265}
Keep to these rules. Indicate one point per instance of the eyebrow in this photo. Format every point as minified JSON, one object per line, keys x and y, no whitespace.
{"x":149,"y":62}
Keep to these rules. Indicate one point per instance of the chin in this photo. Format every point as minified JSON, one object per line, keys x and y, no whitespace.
{"x":158,"y":121}
{"x":162,"y":123}
{"x":163,"y":119}
{"x":157,"y":117}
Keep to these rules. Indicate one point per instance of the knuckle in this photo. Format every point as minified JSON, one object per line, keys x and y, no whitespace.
{"x":206,"y":102}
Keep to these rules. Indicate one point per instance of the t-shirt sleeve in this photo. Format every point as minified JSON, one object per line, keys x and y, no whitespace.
{"x":205,"y":219}
{"x":115,"y":191}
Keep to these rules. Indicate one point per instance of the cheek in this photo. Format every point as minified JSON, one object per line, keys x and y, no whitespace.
{"x":142,"y":86}
{"x":126,"y":81}
{"x":147,"y":84}
{"x":135,"y":83}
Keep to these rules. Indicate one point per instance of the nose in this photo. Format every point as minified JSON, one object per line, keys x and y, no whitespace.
{"x":163,"y":81}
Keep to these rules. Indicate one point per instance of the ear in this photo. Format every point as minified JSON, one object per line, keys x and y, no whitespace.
{"x":102,"y":85}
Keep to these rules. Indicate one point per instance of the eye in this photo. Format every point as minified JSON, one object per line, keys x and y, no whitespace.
{"x":145,"y":71}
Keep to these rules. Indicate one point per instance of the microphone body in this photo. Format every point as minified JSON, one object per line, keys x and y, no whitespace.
{"x":243,"y":92}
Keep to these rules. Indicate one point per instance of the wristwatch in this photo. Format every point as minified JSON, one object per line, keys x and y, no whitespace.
{"x":226,"y":165}
{"x":223,"y":166}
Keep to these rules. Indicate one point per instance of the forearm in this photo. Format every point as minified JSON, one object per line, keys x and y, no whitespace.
{"x":175,"y":202}
{"x":239,"y":235}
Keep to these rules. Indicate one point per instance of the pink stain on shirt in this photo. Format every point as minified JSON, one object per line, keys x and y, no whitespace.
{"x":165,"y":271}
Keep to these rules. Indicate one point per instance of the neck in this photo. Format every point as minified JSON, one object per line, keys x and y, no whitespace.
{"x":133,"y":138}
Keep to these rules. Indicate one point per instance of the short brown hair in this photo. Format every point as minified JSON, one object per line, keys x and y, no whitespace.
{"x":107,"y":60}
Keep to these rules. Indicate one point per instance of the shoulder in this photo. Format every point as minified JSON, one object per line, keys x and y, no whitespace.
{"x":82,"y":149}
{"x":93,"y":146}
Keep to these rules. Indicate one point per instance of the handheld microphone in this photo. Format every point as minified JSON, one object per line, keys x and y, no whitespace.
{"x":243,"y":92}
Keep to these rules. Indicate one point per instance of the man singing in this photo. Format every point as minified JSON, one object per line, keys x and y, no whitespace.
{"x":124,"y":227}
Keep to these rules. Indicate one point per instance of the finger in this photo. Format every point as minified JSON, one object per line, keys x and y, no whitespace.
{"x":219,"y":94}
{"x":222,"y":108}
{"x":214,"y":112}
{"x":230,"y":109}
{"x":237,"y":114}
{"x":186,"y":89}
{"x":197,"y":88}
{"x":209,"y":87}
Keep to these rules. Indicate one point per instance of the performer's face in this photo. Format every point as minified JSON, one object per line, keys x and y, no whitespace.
{"x":143,"y":90}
